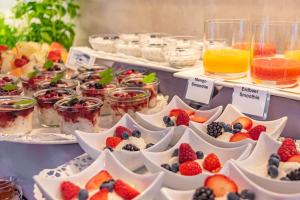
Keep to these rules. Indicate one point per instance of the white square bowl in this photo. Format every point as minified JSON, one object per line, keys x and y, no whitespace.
{"x":92,"y":143}
{"x":147,"y":185}
{"x":231,"y":113}
{"x":153,"y":160}
{"x":253,"y":167}
{"x":243,"y":182}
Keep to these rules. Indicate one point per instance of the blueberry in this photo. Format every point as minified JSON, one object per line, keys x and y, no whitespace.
{"x":166,"y":119}
{"x":136,"y":133}
{"x":171,"y":123}
{"x":238,"y":126}
{"x":273,"y":161}
{"x":175,"y":167}
{"x":222,"y":124}
{"x":247,"y":194}
{"x":228,"y":128}
{"x":236,"y":130}
{"x":109,"y":148}
{"x":275,"y":155}
{"x":233,"y":196}
{"x":125,"y":135}
{"x":166,"y":166}
{"x":108,"y":185}
{"x":273,"y":171}
{"x":199,"y":154}
{"x":149,"y":145}
{"x":83,"y":195}
{"x":175,"y":153}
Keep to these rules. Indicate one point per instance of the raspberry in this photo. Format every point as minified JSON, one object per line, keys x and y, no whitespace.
{"x":121,"y":129}
{"x":182,"y":119}
{"x":113,"y":141}
{"x":186,"y":153}
{"x":289,"y":142}
{"x":190,"y":168}
{"x":256,"y":131}
{"x":286,"y":152}
{"x":212,"y":163}
{"x":69,"y":190}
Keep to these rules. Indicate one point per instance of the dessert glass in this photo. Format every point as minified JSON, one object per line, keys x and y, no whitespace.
{"x":224,"y":56}
{"x":5,"y":79}
{"x":92,"y":68}
{"x":181,"y":56}
{"x":132,"y":48}
{"x":276,"y":54}
{"x":94,"y":89}
{"x":8,"y":188}
{"x":31,"y":85}
{"x":57,"y":68}
{"x":16,"y":114}
{"x":104,"y":43}
{"x":154,"y":51}
{"x":88,"y":76}
{"x":128,"y":100}
{"x":63,"y":83}
{"x":46,"y":99}
{"x":120,"y":76}
{"x":82,"y":113}
{"x":151,"y":87}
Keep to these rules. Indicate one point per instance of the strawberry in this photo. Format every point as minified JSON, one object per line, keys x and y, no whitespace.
{"x":113,"y":141}
{"x":239,"y":137}
{"x":175,"y":112}
{"x":190,"y":112}
{"x":220,"y":185}
{"x":3,"y":48}
{"x":54,"y":55}
{"x":190,"y":168}
{"x":121,"y":129}
{"x":198,"y":119}
{"x":246,"y":122}
{"x":256,"y":131}
{"x":288,"y":142}
{"x":212,"y":163}
{"x":182,"y":119}
{"x":124,"y":190}
{"x":286,"y":152}
{"x":186,"y":153}
{"x":25,"y":58}
{"x":69,"y":190}
{"x":95,"y":182}
{"x":101,"y":195}
{"x":20,"y":62}
{"x":295,"y":158}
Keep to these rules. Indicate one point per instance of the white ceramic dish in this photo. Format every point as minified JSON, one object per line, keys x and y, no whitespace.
{"x":148,"y":185}
{"x":274,"y":128}
{"x":254,"y":167}
{"x":153,"y":160}
{"x":92,"y":143}
{"x":231,"y":170}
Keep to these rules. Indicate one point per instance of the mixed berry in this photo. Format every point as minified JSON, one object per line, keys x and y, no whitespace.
{"x":182,"y":117}
{"x":6,"y":79}
{"x":127,"y":73}
{"x":96,"y":89}
{"x":88,"y":76}
{"x":63,"y":83}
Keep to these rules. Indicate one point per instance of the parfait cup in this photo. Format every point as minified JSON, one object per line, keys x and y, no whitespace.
{"x":226,"y":48}
{"x":276,"y":53}
{"x":8,"y":188}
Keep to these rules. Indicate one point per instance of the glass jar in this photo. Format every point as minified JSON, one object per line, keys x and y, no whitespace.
{"x":6,"y":79}
{"x":132,"y":48}
{"x":16,"y":114}
{"x":80,"y":113}
{"x":45,"y":104}
{"x":104,"y":42}
{"x":32,"y":84}
{"x":63,"y":83}
{"x":154,"y":50}
{"x":276,"y":54}
{"x":55,"y":69}
{"x":226,"y":48}
{"x":88,"y":76}
{"x":182,"y":56}
{"x":120,"y":76}
{"x":8,"y":188}
{"x":11,"y":89}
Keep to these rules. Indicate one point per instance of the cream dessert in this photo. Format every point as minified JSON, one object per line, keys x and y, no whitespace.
{"x":31,"y":81}
{"x":181,"y":56}
{"x":106,"y":43}
{"x":120,"y":76}
{"x":53,"y":67}
{"x":82,"y":113}
{"x":132,"y":48}
{"x":153,"y":49}
{"x":128,"y":37}
{"x":16,"y":114}
{"x":62,"y":83}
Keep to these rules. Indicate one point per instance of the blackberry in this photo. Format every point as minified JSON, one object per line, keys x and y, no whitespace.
{"x":214,"y":129}
{"x":149,"y":145}
{"x":130,"y":147}
{"x":203,"y":193}
{"x":294,"y":175}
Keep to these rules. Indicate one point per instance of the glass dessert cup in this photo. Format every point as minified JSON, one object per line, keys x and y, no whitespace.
{"x":276,"y":54}
{"x":92,"y":68}
{"x":16,"y":114}
{"x":151,"y":87}
{"x":6,"y":79}
{"x":128,"y":100}
{"x":55,"y":69}
{"x":63,"y":83}
{"x":154,"y":51}
{"x":223,"y":56}
{"x":179,"y":56}
{"x":88,"y":76}
{"x":104,"y":42}
{"x":132,"y":48}
{"x":8,"y":188}
{"x":127,"y":73}
{"x":82,"y":113}
{"x":31,"y":85}
{"x":13,"y":92}
{"x":96,"y":90}
{"x":46,"y":99}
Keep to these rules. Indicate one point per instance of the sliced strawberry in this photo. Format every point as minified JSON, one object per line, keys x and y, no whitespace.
{"x":212,"y":163}
{"x":54,"y":55}
{"x":95,"y":182}
{"x":69,"y":190}
{"x":182,"y":119}
{"x":101,"y":195}
{"x":295,"y":158}
{"x":245,"y":121}
{"x":198,"y":119}
{"x":124,"y":190}
{"x":190,"y":168}
{"x":190,"y":112}
{"x":113,"y":141}
{"x":186,"y":153}
{"x":239,"y":137}
{"x":256,"y":131}
{"x":121,"y":129}
{"x":220,"y":185}
{"x":175,"y":112}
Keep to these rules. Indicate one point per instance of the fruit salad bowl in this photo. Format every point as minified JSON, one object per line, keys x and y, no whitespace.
{"x":242,"y":182}
{"x":99,"y":173}
{"x":94,"y":143}
{"x":273,"y":165}
{"x":203,"y":158}
{"x":229,"y":116}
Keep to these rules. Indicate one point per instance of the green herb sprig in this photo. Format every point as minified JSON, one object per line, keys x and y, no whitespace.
{"x":150,"y":78}
{"x":106,"y":76}
{"x":49,"y":64}
{"x":57,"y":78}
{"x":23,"y":102}
{"x":9,"y":87}
{"x":33,"y":74}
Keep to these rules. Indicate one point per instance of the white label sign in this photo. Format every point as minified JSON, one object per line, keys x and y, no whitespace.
{"x":78,"y":58}
{"x":251,"y":100}
{"x":200,"y":89}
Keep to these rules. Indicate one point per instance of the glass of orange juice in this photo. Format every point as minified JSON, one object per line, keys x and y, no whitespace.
{"x":276,"y":53}
{"x":226,"y":48}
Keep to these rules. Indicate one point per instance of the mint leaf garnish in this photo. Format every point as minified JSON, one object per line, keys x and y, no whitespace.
{"x":9,"y":87}
{"x":48,"y":65}
{"x":57,"y":78}
{"x":33,"y":74}
{"x":106,"y":76}
{"x":150,"y":78}
{"x":24,"y":102}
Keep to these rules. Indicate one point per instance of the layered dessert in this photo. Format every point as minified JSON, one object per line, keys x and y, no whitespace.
{"x":153,"y":49}
{"x":177,"y":117}
{"x":88,"y":76}
{"x":31,"y":82}
{"x":46,"y":99}
{"x":92,"y":68}
{"x":53,"y":67}
{"x":127,"y":73}
{"x":240,"y":129}
{"x":188,"y":162}
{"x":104,"y":43}
{"x":100,"y":91}
{"x":6,"y":79}
{"x":182,"y":56}
{"x":128,"y":100}
{"x":132,"y":48}
{"x":127,"y":140}
{"x":102,"y":186}
{"x":82,"y":113}
{"x":62,"y":83}
{"x":128,"y":37}
{"x":147,"y":83}
{"x":16,"y":114}
{"x":10,"y":89}
{"x":8,"y":189}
